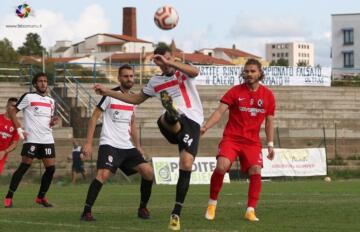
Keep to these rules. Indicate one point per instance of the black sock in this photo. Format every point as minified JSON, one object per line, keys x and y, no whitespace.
{"x":93,"y":192}
{"x":169,"y":119}
{"x":181,"y":190}
{"x":145,"y":190}
{"x":46,"y":181}
{"x":16,"y":178}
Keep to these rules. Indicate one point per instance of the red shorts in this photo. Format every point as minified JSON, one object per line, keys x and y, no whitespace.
{"x":249,"y":154}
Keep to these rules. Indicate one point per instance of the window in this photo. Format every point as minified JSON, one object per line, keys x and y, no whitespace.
{"x":278,"y":54}
{"x":273,"y":55}
{"x":286,"y":54}
{"x":348,"y":59}
{"x":273,"y":46}
{"x":348,"y":36}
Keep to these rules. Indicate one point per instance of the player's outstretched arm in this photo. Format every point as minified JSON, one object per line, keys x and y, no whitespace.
{"x":214,"y":118}
{"x":135,"y":135}
{"x":269,"y":131}
{"x":87,"y":149}
{"x":135,"y":99}
{"x":189,"y":70}
{"x":13,"y":111}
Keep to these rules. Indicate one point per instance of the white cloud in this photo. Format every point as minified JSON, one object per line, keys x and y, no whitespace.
{"x":267,"y":27}
{"x":55,"y":27}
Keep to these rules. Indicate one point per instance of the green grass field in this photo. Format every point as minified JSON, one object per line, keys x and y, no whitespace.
{"x":284,"y":206}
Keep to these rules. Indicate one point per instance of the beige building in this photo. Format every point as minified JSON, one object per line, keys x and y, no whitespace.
{"x":294,"y":52}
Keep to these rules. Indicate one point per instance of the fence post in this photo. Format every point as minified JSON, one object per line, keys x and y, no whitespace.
{"x":77,"y":93}
{"x":94,"y":72}
{"x":335,"y":137}
{"x":278,"y":136}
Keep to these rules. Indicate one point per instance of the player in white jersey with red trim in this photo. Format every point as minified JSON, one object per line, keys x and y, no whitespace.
{"x":180,"y":124}
{"x":119,"y":145}
{"x":38,"y":112}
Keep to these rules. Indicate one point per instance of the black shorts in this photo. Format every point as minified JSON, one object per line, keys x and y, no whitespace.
{"x":187,"y":138}
{"x":37,"y":150}
{"x":113,"y":158}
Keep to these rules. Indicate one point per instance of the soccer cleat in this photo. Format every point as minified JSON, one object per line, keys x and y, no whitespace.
{"x":44,"y":202}
{"x":210,"y":212}
{"x":143,"y":213}
{"x":174,"y":223}
{"x":8,"y":203}
{"x":250,"y":216}
{"x":88,"y":217}
{"x":167,"y":103}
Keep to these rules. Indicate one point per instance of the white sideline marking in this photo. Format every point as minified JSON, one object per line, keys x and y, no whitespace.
{"x":67,"y":225}
{"x":102,"y":226}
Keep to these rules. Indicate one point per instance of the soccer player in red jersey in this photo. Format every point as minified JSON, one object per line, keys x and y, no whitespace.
{"x":8,"y":134}
{"x":249,"y":104}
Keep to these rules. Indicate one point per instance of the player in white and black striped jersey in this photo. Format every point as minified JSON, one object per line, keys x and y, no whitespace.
{"x":180,"y":124}
{"x":119,"y":145}
{"x":38,"y":111}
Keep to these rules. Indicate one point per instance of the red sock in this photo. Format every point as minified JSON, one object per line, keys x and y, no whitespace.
{"x":254,"y":190}
{"x":2,"y":163}
{"x":217,"y":179}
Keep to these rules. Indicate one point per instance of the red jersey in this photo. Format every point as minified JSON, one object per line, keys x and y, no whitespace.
{"x":8,"y":132}
{"x":247,"y":111}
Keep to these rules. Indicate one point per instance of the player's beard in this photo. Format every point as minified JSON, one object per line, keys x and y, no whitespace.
{"x":42,"y":92}
{"x":127,"y":85}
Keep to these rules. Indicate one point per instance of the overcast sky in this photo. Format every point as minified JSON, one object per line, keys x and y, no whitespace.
{"x":203,"y":23}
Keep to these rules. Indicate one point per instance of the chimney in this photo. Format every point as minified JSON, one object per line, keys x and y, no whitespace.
{"x":129,"y":21}
{"x":233,"y":47}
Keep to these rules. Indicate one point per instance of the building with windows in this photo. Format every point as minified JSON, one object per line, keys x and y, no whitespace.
{"x":232,"y":55}
{"x":345,"y":45}
{"x":296,"y":53}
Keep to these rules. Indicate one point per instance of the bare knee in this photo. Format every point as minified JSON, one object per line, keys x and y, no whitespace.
{"x":102,"y":175}
{"x":256,"y":169}
{"x":146,"y":171}
{"x":222,"y":165}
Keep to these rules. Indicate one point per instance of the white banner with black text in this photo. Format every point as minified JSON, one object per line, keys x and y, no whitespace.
{"x":274,"y":75}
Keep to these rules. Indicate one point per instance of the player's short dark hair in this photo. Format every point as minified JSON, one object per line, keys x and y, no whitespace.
{"x":252,"y":61}
{"x":161,"y":50}
{"x":12,"y":99}
{"x":36,"y":77}
{"x":123,"y":67}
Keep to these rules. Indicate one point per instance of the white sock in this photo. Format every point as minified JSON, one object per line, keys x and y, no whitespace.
{"x":212,"y":202}
{"x":250,"y":209}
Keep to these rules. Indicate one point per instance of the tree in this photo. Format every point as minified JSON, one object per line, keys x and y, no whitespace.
{"x":7,"y":52}
{"x":302,"y":64}
{"x":282,"y":62}
{"x":31,"y":46}
{"x":279,"y":62}
{"x":273,"y":63}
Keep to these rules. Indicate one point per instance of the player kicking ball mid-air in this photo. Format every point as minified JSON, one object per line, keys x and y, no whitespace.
{"x":119,"y":145}
{"x":249,"y":104}
{"x":38,"y":110}
{"x":180,"y":124}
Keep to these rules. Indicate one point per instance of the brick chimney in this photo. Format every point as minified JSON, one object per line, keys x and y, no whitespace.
{"x":129,"y":21}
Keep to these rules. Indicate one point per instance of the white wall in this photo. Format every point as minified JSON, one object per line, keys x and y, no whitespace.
{"x":339,"y":22}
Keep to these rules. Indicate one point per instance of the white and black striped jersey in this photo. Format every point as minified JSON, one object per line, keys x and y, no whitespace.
{"x":182,"y":90}
{"x":116,"y":128}
{"x":37,"y":111}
